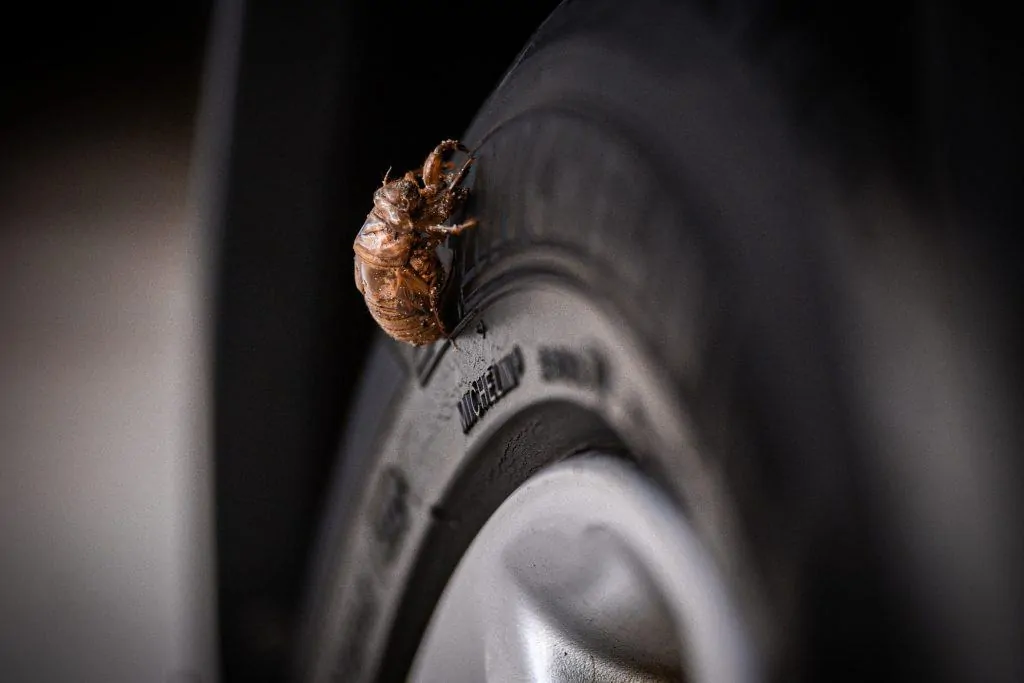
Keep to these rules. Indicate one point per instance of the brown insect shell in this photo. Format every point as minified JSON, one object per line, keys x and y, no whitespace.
{"x":396,"y":268}
{"x":381,"y":245}
{"x":396,"y":202}
{"x":387,"y":236}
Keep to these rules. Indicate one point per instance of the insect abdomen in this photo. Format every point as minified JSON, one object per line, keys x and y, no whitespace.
{"x":399,"y":299}
{"x":416,"y":329}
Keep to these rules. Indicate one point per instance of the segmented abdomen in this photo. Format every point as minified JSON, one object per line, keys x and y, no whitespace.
{"x":402,"y":298}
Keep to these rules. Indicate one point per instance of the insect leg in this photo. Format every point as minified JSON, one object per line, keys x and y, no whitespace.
{"x":457,"y":179}
{"x":432,"y":166}
{"x":451,"y":229}
{"x":412,"y":283}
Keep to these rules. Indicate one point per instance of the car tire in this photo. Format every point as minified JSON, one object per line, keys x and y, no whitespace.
{"x":667,"y":269}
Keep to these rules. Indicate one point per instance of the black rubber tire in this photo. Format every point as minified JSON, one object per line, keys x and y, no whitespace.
{"x":636,"y":158}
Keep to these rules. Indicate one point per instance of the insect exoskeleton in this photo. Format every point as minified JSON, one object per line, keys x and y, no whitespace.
{"x":397,"y":268}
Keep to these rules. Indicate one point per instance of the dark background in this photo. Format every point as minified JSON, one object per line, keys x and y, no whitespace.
{"x":329,"y":94}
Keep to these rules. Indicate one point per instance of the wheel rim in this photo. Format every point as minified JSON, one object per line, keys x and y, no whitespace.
{"x":436,"y":485}
{"x":587,"y":572}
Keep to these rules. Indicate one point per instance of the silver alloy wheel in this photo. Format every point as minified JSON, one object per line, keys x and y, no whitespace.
{"x":587,"y":572}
